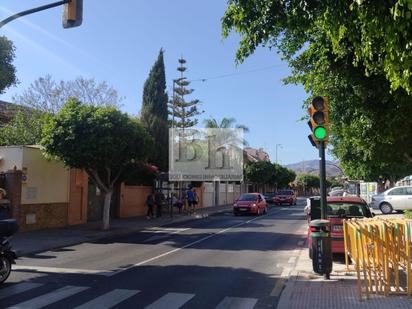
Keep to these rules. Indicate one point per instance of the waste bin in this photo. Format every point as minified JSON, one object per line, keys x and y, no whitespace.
{"x":321,"y":247}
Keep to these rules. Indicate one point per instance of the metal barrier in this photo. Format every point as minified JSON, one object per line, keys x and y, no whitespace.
{"x":380,"y":250}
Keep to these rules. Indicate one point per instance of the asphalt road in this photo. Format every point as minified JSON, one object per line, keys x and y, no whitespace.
{"x":218,"y":262}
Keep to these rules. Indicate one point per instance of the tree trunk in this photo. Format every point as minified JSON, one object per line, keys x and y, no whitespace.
{"x":106,"y":210}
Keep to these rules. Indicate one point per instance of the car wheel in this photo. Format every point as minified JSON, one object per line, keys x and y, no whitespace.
{"x":5,"y":268}
{"x":386,"y":208}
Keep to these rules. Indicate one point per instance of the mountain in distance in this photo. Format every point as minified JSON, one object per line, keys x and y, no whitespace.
{"x":312,"y":167}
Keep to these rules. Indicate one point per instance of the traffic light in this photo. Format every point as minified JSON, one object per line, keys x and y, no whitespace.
{"x":73,"y":14}
{"x":319,"y":120}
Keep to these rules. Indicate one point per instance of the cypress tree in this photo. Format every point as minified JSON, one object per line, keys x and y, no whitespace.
{"x":182,"y":111}
{"x":154,"y":113}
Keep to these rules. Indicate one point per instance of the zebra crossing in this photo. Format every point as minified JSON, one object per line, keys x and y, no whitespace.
{"x":10,"y":296}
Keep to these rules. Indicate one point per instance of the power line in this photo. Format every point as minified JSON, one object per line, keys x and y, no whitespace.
{"x":237,"y":73}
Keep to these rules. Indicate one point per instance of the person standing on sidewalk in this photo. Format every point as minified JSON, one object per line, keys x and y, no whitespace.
{"x":195,"y":199}
{"x":150,"y":204}
{"x":177,"y":203}
{"x":159,"y":200}
{"x":190,"y":199}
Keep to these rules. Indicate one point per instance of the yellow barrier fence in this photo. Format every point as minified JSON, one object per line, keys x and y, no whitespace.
{"x":380,"y":250}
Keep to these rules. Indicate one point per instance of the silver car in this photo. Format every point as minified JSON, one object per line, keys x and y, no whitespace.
{"x":397,"y":198}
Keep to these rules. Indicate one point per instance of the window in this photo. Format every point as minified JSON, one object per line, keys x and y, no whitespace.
{"x":409,"y":190}
{"x":285,"y":192}
{"x":248,"y":197}
{"x":398,"y":191}
{"x":346,"y":210}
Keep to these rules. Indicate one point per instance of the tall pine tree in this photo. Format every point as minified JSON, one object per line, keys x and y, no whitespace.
{"x":154,"y":113}
{"x":182,"y":111}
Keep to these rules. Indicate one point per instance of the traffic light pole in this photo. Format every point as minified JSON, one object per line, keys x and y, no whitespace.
{"x":323,"y":203}
{"x":322,"y":176}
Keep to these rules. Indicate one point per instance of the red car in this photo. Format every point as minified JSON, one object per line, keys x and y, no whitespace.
{"x":339,"y":208}
{"x":285,"y":197}
{"x":250,"y":203}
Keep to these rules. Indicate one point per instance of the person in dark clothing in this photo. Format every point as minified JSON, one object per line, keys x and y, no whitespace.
{"x":159,"y":200}
{"x":190,"y":199}
{"x":177,"y":203}
{"x":150,"y":204}
{"x":4,"y":205}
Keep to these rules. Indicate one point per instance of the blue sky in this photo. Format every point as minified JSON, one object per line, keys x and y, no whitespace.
{"x":120,"y":40}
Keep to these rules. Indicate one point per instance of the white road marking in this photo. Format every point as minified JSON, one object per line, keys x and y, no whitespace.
{"x":109,"y":299}
{"x":58,"y":270}
{"x":185,"y":246}
{"x":50,"y":298}
{"x":237,"y":303}
{"x":164,"y":229}
{"x":292,"y":260}
{"x":176,"y":231}
{"x":301,"y":242}
{"x":171,"y":301}
{"x":18,"y":288}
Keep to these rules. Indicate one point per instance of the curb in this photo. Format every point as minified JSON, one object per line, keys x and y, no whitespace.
{"x":290,"y":283}
{"x":118,"y":233}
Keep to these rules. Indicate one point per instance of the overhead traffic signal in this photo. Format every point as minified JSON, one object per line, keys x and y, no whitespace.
{"x":73,"y":14}
{"x":319,"y":120}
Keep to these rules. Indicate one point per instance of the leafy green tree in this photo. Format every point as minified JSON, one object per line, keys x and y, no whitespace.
{"x":308,"y":180}
{"x":154,"y":113}
{"x":378,"y":32}
{"x":101,"y":140}
{"x":183,"y":112}
{"x":282,"y":176}
{"x":25,"y":128}
{"x":47,"y":95}
{"x":261,"y":172}
{"x":355,"y":52}
{"x":7,"y":70}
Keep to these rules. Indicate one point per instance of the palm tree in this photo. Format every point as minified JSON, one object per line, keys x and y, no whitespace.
{"x":226,"y":123}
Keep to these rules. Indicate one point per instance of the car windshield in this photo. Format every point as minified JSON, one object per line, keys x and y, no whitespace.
{"x":346,"y":210}
{"x":285,"y":193}
{"x":248,"y":197}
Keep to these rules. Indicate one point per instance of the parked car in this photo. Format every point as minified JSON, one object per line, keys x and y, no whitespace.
{"x":250,"y":203}
{"x":339,"y":208}
{"x":285,"y":197}
{"x":338,"y":193}
{"x":397,"y":198}
{"x":269,"y":197}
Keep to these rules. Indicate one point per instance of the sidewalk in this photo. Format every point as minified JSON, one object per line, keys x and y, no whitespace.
{"x":37,"y":241}
{"x":305,"y":289}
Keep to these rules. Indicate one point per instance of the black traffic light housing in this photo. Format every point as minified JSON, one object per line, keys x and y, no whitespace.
{"x":73,"y":14}
{"x":319,"y":120}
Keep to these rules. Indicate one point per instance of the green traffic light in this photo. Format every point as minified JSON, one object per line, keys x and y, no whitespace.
{"x":319,"y":133}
